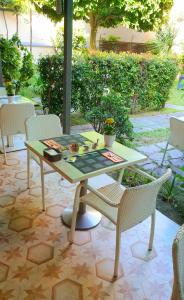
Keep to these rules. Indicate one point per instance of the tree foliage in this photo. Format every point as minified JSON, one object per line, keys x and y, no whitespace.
{"x":142,"y":15}
{"x":78,"y":42}
{"x":17,"y":6}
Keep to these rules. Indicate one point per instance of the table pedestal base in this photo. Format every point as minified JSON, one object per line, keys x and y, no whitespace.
{"x":85,"y":221}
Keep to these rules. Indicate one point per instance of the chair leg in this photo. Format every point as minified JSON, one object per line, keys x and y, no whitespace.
{"x":121,"y":173}
{"x":4,"y":150}
{"x":75,"y":211}
{"x":28,"y":169}
{"x":117,"y":251}
{"x":42,"y":184}
{"x":164,"y":154}
{"x":152,"y":232}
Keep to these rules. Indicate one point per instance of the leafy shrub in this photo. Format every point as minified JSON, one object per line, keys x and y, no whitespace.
{"x":51,"y":75}
{"x":164,"y":40}
{"x":113,"y":38}
{"x":111,"y":106}
{"x":17,"y":65}
{"x":141,"y":81}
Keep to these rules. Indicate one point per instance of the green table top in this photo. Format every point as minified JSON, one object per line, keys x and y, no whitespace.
{"x":72,"y":174}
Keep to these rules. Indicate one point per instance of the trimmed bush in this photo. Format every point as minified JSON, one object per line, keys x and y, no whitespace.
{"x":143,"y":81}
{"x":139,"y":82}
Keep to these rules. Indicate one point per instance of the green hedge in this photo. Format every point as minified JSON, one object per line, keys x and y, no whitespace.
{"x":143,"y":81}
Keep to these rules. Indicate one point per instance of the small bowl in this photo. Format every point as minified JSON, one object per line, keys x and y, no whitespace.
{"x":74,"y":147}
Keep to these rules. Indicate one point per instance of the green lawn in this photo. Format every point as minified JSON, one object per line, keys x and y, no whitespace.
{"x":176,"y":96}
{"x":151,"y":137}
{"x":78,"y":119}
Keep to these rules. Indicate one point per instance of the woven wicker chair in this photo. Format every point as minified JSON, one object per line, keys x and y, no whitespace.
{"x":38,"y":128}
{"x":178,"y":266}
{"x":176,"y":137}
{"x":12,"y":120}
{"x":125,"y":207}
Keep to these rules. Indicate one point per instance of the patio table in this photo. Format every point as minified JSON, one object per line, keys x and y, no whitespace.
{"x":86,"y":219}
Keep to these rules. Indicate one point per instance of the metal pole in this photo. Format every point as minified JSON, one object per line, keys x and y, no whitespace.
{"x":68,"y":15}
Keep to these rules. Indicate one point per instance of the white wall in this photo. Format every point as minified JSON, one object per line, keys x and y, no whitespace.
{"x":177,"y":20}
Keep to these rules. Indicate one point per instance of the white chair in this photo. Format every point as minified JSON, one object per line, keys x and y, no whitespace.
{"x":38,"y":128}
{"x":12,"y":120}
{"x":178,"y":266}
{"x":176,"y":136}
{"x":125,"y":207}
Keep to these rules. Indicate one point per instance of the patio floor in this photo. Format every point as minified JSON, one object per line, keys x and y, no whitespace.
{"x":36,"y":261}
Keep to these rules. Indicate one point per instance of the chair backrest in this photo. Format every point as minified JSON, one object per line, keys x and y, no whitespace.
{"x":176,"y":137}
{"x":139,"y":202}
{"x":178,"y":266}
{"x":13,"y":117}
{"x":43,"y":127}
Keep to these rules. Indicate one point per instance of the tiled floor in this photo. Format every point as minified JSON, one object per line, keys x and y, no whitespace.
{"x":36,"y":261}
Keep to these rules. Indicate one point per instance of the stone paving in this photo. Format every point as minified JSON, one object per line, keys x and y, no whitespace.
{"x":150,"y":123}
{"x":174,"y":158}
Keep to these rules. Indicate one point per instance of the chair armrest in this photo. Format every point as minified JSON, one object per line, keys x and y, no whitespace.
{"x":102,"y":197}
{"x":136,"y":170}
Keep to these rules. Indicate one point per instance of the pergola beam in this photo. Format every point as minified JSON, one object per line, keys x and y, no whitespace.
{"x":67,"y":82}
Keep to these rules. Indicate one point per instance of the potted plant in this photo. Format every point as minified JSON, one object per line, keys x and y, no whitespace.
{"x":10,"y":89}
{"x":109,"y":130}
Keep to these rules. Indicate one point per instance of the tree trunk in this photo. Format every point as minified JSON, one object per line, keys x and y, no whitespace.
{"x":17,"y":23}
{"x":31,"y":30}
{"x":93,"y":33}
{"x":5,"y":24}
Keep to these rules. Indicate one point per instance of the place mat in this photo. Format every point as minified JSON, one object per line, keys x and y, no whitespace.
{"x":64,"y":140}
{"x":94,"y":161}
{"x":112,"y":156}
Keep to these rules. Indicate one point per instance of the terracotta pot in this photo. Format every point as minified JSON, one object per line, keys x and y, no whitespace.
{"x":109,"y":140}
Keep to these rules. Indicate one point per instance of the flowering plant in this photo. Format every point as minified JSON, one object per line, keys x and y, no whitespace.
{"x":109,"y":126}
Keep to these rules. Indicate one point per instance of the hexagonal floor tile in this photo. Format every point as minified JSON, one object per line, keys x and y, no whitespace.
{"x":12,"y":161}
{"x":55,"y":211}
{"x":105,"y":268}
{"x":6,"y":200}
{"x":81,"y":237}
{"x":3,"y":271}
{"x":21,"y":175}
{"x":108,"y":224}
{"x":20,"y":223}
{"x":140,"y":250}
{"x":35,"y":191}
{"x":67,"y":289}
{"x":40,"y":253}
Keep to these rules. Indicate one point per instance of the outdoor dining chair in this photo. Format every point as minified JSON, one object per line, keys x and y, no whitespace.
{"x":39,"y":128}
{"x":178,"y":265}
{"x":12,"y":120}
{"x":176,"y":136}
{"x":124,"y":207}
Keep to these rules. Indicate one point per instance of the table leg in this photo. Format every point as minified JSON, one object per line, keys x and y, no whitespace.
{"x":86,"y":219}
{"x":10,"y":140}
